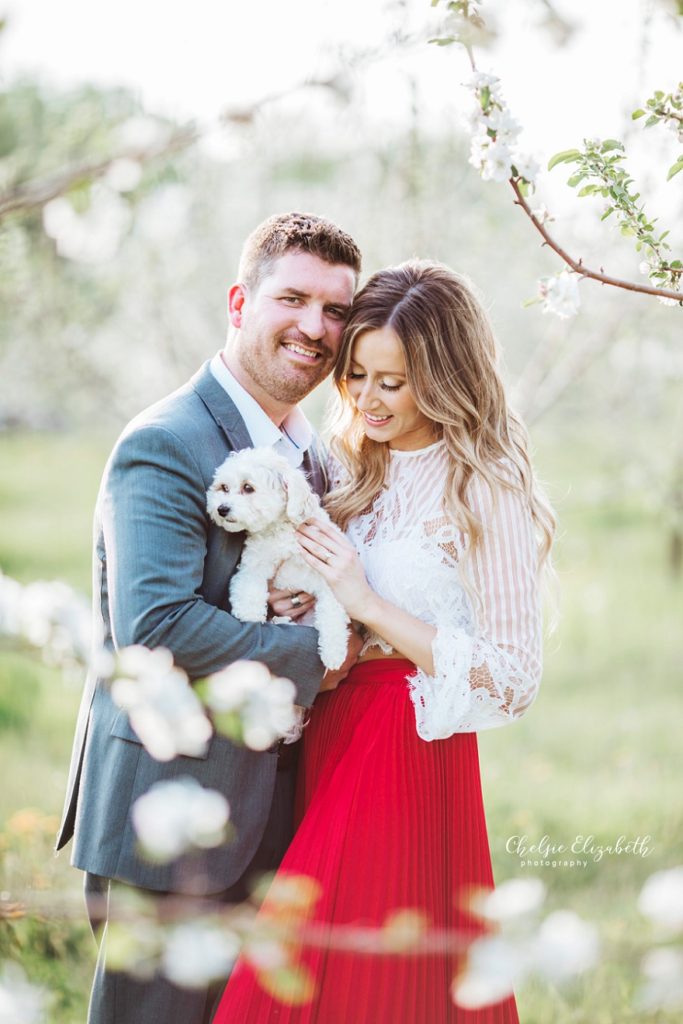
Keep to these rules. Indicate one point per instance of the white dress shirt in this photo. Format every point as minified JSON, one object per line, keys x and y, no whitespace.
{"x":292,"y":439}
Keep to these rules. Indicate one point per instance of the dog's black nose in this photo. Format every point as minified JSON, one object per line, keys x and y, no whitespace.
{"x":223,"y":510}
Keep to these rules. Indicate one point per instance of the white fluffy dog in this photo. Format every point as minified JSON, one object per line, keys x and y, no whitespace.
{"x":258,"y":491}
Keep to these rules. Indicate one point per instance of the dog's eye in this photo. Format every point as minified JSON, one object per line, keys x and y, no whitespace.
{"x":247,"y":489}
{"x":224,"y":488}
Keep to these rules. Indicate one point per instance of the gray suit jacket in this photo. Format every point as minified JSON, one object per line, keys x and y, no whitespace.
{"x":161,"y":576}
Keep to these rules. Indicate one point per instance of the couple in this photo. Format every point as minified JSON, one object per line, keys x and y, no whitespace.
{"x":444,"y":530}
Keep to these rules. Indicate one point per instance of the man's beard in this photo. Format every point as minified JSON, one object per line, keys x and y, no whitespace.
{"x":288,"y":388}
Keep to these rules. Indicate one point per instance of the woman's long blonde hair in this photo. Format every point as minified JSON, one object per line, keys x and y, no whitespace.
{"x":451,"y":359}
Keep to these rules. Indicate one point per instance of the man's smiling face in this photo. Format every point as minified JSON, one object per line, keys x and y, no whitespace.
{"x":290,"y":325}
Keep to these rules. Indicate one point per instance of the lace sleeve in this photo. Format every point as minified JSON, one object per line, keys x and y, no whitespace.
{"x":487,"y":676}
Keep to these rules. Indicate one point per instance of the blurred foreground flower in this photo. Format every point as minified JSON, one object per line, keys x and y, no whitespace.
{"x":199,"y":952}
{"x":661,"y":899}
{"x":174,"y":817}
{"x":49,"y":615}
{"x":93,"y":236}
{"x":20,"y":1002}
{"x":250,"y":705}
{"x":163,"y":708}
{"x":560,"y":294}
{"x":560,"y":948}
{"x":663,"y":986}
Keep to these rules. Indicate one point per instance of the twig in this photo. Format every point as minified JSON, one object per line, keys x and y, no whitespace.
{"x":578,"y":265}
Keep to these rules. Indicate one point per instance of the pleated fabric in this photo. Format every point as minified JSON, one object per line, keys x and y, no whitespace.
{"x":387,"y":822}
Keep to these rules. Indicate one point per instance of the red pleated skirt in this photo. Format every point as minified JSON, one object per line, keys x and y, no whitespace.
{"x":387,"y":822}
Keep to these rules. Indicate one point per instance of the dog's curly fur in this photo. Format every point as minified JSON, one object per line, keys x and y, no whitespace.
{"x":257,"y":491}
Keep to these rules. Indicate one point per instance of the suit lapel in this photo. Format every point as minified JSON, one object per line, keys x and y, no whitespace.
{"x":224,"y":412}
{"x":221,"y":407}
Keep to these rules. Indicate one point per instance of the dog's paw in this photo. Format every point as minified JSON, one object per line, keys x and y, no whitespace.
{"x":249,"y":613}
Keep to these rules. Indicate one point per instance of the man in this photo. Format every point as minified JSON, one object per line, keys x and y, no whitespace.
{"x":162,"y":573}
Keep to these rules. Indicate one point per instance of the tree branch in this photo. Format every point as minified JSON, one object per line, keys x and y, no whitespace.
{"x":578,"y":266}
{"x":37,"y":193}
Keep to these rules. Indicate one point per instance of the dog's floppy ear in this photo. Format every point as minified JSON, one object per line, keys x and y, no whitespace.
{"x":301,"y":502}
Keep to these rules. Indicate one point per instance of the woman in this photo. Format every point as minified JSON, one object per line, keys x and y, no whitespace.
{"x":444,"y":534}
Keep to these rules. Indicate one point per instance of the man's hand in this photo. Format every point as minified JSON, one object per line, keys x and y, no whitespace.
{"x":333,"y":677}
{"x":294,"y":604}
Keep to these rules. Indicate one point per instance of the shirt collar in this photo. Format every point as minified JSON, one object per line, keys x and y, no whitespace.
{"x":294,"y":436}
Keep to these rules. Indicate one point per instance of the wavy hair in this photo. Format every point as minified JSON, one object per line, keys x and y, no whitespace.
{"x":452,"y":368}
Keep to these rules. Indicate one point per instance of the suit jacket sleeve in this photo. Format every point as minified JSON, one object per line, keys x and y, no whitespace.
{"x":155,"y":528}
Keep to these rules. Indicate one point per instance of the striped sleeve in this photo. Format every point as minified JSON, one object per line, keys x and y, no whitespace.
{"x":489,"y":675}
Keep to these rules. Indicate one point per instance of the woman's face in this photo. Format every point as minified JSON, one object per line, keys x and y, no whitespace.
{"x":376,"y":382}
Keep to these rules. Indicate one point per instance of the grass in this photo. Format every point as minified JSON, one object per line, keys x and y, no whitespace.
{"x":598,"y":755}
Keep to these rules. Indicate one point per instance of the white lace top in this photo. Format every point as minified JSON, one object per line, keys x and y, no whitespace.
{"x":487,"y":669}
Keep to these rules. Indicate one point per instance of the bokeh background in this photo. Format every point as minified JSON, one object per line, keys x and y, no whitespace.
{"x":113,"y":295}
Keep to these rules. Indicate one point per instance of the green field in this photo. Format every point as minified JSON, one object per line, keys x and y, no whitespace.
{"x":598,"y":755}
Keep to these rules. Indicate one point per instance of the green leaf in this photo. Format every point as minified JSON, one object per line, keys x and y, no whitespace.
{"x":609,"y":144}
{"x":566,"y":156}
{"x":576,"y":178}
{"x":674,"y":169}
{"x":638,"y":113}
{"x":610,"y":209}
{"x":444,"y":40}
{"x":589,"y":190}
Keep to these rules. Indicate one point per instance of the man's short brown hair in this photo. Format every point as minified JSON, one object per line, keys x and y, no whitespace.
{"x":295,"y":232}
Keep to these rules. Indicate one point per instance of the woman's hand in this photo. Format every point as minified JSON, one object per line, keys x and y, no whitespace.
{"x":328,"y":550}
{"x":292,"y":603}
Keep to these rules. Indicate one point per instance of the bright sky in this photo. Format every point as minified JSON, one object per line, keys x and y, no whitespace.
{"x":193,"y":59}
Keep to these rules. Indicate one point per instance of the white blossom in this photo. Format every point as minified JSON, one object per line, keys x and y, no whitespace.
{"x":482,"y":80}
{"x":199,"y":952}
{"x":526,"y":166}
{"x":663,"y":986}
{"x":163,"y":708}
{"x":20,"y":1002}
{"x":497,"y":162}
{"x":93,"y":236}
{"x":644,"y":267}
{"x":265,"y":703}
{"x":511,"y":899}
{"x":175,"y":816}
{"x":565,"y":946}
{"x":49,"y":615}
{"x":661,"y":899}
{"x":123,"y":175}
{"x":560,"y":294}
{"x":494,"y":967}
{"x":560,"y":948}
{"x":503,"y":123}
{"x":666,"y":301}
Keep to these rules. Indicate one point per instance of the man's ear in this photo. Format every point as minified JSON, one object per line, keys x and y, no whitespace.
{"x":236,"y":297}
{"x":301,"y":501}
